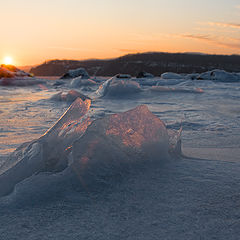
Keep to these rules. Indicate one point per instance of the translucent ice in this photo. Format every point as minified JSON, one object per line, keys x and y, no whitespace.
{"x":111,"y":143}
{"x":48,"y":153}
{"x":91,"y":150}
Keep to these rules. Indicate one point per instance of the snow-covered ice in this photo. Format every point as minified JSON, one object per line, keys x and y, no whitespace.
{"x":193,"y":195}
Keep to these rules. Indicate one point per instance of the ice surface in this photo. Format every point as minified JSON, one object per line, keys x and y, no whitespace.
{"x":146,"y":81}
{"x":20,"y":81}
{"x":187,"y":199}
{"x":164,"y":82}
{"x":80,"y":82}
{"x":176,"y":89}
{"x":69,"y":96}
{"x":184,"y":198}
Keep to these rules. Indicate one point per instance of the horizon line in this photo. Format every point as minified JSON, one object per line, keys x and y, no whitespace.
{"x":108,"y":59}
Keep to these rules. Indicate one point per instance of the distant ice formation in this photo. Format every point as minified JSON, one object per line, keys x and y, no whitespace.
{"x":79,"y":72}
{"x":123,"y":76}
{"x":91,"y":149}
{"x":10,"y":71}
{"x":170,"y":75}
{"x":144,"y":75}
{"x":12,"y":76}
{"x":122,"y":88}
{"x":118,"y":87}
{"x":213,"y":75}
{"x":219,"y":75}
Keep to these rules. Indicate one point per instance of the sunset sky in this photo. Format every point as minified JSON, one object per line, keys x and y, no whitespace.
{"x":33,"y":31}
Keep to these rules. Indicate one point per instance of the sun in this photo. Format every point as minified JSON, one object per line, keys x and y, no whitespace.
{"x":8,"y":60}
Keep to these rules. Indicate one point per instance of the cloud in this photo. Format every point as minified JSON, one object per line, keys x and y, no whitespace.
{"x":231,"y":43}
{"x":197,"y":37}
{"x":226,"y":25}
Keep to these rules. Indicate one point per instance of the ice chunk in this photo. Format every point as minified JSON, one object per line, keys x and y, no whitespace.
{"x":96,"y":149}
{"x":123,"y":87}
{"x":119,"y":140}
{"x":116,"y":87}
{"x":79,"y":72}
{"x":103,"y":88}
{"x":170,"y":75}
{"x":49,"y":153}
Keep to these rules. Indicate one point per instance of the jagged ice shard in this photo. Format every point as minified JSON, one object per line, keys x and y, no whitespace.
{"x":49,"y":152}
{"x":91,"y":149}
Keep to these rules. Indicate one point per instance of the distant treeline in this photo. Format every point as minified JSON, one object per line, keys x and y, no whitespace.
{"x":155,"y":63}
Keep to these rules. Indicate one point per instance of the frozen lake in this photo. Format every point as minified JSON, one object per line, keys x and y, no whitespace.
{"x":193,"y":197}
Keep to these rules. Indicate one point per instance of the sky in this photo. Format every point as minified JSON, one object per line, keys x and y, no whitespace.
{"x":33,"y":31}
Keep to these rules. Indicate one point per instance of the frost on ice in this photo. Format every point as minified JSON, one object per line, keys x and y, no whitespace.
{"x":91,"y":149}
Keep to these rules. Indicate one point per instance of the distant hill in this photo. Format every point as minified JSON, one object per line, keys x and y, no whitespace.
{"x":154,"y":62}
